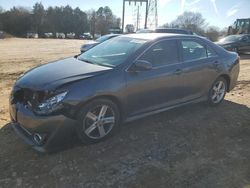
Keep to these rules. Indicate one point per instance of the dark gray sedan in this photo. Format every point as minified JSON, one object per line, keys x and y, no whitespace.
{"x":120,"y":80}
{"x":236,"y":43}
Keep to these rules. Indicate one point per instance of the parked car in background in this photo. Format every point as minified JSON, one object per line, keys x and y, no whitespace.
{"x":2,"y":35}
{"x":174,"y":30}
{"x":48,"y":35}
{"x":93,"y":43}
{"x":71,"y":35}
{"x":145,"y":31}
{"x":119,"y":80}
{"x":32,"y":35}
{"x":60,"y":35}
{"x":236,"y":43}
{"x":115,"y":31}
{"x":86,"y":36}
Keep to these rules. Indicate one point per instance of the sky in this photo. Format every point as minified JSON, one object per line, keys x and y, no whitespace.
{"x":220,"y":13}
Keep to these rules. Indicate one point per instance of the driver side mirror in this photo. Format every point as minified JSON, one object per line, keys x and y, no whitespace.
{"x":141,"y":65}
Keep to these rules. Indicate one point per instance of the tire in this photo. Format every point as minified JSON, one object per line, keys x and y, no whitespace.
{"x":98,"y":120}
{"x":217,"y":91}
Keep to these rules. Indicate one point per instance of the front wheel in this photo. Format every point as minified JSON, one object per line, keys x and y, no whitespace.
{"x":217,"y":92}
{"x":97,"y":120}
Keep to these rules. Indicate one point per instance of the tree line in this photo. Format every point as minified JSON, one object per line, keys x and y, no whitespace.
{"x":19,"y":20}
{"x":196,"y":23}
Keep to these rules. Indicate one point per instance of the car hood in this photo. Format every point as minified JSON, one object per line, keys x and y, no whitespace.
{"x":90,"y":43}
{"x":52,"y":75}
{"x":87,"y":46}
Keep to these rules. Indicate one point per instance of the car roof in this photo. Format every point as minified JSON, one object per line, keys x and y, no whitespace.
{"x":180,"y":30}
{"x":111,"y":35}
{"x":153,"y":36}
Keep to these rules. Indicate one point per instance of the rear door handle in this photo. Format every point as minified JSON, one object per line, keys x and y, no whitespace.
{"x":178,"y":71}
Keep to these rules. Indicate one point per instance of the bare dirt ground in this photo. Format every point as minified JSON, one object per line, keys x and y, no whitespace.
{"x":192,"y":146}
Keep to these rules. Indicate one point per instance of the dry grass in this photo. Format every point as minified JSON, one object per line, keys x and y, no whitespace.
{"x":18,"y":55}
{"x":192,"y":146}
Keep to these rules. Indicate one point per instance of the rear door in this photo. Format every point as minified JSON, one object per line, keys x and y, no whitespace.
{"x":199,"y":65}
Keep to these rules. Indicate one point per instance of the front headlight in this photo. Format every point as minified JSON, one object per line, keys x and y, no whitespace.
{"x":51,"y":105}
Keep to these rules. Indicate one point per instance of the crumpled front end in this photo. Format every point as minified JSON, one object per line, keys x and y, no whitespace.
{"x":43,"y":133}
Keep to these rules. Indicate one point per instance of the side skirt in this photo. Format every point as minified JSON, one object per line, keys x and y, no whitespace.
{"x":132,"y":118}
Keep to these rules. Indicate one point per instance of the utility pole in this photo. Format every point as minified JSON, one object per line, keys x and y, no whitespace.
{"x":138,"y":18}
{"x":153,"y":14}
{"x":135,"y":2}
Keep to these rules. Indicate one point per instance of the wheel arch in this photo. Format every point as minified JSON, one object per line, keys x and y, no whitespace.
{"x":112,"y":98}
{"x":228,"y":80}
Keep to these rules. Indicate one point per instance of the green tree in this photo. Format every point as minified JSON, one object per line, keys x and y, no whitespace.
{"x":16,"y":21}
{"x":80,"y":21}
{"x":104,"y":20}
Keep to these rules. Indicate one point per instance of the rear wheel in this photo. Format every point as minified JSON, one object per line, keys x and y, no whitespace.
{"x":217,"y":91}
{"x":97,"y":120}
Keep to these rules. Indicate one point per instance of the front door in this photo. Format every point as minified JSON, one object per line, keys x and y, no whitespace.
{"x":159,"y":87}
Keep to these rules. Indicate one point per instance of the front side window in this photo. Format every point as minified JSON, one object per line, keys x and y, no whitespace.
{"x":192,"y":50}
{"x":161,"y":54}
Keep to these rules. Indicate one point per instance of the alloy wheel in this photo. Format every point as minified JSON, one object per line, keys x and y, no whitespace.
{"x":218,"y":92}
{"x":99,"y":121}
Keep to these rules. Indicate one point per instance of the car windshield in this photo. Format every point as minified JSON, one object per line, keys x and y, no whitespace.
{"x":112,"y":52}
{"x":232,"y":38}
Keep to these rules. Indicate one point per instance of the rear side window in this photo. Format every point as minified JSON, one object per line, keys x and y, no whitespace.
{"x":162,"y":53}
{"x":210,"y":52}
{"x":193,"y":50}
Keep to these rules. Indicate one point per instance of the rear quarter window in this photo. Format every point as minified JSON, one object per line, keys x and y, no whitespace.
{"x":193,"y":50}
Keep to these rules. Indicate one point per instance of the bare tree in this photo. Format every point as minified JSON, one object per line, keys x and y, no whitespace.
{"x":213,"y":33}
{"x":192,"y":21}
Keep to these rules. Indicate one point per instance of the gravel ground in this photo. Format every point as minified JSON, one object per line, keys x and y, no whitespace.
{"x":192,"y":146}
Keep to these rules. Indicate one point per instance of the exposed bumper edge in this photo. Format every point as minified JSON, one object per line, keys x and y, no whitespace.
{"x":26,"y":137}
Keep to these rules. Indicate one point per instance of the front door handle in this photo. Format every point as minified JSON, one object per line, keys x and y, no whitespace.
{"x":178,"y":71}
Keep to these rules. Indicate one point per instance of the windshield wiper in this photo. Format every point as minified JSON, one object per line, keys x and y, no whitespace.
{"x":106,"y":65}
{"x":96,"y":63}
{"x":76,"y":56}
{"x":86,"y":60}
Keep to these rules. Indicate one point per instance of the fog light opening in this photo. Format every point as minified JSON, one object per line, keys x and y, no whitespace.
{"x":38,"y":138}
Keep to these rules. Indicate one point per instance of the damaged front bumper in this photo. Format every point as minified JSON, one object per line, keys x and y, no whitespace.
{"x":43,"y":133}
